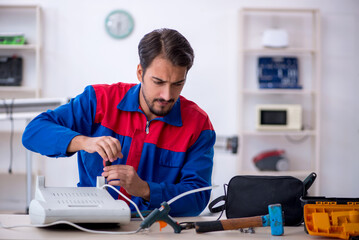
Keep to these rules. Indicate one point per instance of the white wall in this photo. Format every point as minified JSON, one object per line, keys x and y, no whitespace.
{"x":77,"y":52}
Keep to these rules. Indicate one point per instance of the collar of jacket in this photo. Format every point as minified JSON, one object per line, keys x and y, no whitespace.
{"x":131,"y":103}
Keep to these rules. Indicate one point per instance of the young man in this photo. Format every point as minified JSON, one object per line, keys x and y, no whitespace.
{"x":159,"y":143}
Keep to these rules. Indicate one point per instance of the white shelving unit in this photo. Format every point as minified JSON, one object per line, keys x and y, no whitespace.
{"x":301,"y":147}
{"x":25,"y":19}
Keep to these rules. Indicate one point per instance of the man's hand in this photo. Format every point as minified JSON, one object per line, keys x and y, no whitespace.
{"x":108,"y":147}
{"x":125,"y":176}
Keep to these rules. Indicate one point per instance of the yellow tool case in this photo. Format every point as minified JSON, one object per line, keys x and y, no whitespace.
{"x":332,"y":217}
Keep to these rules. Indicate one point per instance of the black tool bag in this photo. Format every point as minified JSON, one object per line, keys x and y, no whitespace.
{"x":247,"y":196}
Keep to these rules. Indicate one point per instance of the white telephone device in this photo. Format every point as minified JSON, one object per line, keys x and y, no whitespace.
{"x":76,"y":204}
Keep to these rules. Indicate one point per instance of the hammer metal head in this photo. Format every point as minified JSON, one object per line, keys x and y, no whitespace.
{"x":274,"y":219}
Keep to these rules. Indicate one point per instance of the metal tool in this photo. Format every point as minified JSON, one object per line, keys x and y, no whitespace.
{"x":161,"y":215}
{"x":274,"y":219}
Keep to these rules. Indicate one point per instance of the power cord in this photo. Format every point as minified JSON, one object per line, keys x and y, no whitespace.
{"x":129,"y":200}
{"x":9,"y":111}
{"x":301,"y":139}
{"x":296,"y":141}
{"x":71,"y":224}
{"x":109,"y":232}
{"x":190,"y":192}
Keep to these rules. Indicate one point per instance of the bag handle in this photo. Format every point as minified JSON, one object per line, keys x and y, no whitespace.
{"x":213,"y":209}
{"x":308,"y":182}
{"x":221,"y":208}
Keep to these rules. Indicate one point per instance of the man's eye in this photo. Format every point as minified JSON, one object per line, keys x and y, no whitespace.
{"x":158,"y":82}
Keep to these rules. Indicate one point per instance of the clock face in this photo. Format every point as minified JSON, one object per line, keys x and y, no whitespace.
{"x":119,"y":24}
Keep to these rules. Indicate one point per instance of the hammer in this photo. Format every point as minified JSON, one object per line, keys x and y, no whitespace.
{"x":274,"y":219}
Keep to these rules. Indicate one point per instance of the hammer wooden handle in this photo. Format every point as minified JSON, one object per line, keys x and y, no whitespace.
{"x":228,"y":224}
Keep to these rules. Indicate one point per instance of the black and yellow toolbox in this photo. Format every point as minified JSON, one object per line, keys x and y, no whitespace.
{"x":331,"y":217}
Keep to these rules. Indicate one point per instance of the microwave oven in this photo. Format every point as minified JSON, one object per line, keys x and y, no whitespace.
{"x":279,"y":117}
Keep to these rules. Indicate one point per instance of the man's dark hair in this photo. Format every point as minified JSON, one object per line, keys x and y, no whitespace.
{"x":169,"y":43}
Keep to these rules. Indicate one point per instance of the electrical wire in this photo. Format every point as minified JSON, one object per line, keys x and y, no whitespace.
{"x":190,"y":192}
{"x":9,"y":111}
{"x":123,"y":195}
{"x":225,"y":186}
{"x":71,"y":224}
{"x":301,"y":139}
{"x":295,"y":141}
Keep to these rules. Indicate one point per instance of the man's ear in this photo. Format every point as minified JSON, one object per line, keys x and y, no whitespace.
{"x":139,"y":72}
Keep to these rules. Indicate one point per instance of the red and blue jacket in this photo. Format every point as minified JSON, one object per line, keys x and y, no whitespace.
{"x":173,"y":154}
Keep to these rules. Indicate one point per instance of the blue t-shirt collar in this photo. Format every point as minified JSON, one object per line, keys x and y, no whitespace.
{"x":130,"y":103}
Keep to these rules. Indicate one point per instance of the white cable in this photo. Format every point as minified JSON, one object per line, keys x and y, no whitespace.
{"x":134,"y":204}
{"x":71,"y":224}
{"x":190,"y":192}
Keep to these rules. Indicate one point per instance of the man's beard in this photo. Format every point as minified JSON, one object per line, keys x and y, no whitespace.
{"x":151,"y":106}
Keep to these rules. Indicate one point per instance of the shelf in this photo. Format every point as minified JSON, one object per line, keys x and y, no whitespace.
{"x":32,"y":47}
{"x":24,"y":19}
{"x":18,"y":6}
{"x":18,"y":92}
{"x":281,"y":51}
{"x":278,"y":91}
{"x":19,"y":116}
{"x":285,"y":10}
{"x":280,"y":133}
{"x":302,"y":147}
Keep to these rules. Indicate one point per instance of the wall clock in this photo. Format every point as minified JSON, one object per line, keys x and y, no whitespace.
{"x":119,"y":24}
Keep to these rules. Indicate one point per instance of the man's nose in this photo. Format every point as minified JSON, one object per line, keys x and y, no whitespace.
{"x":166,"y":93}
